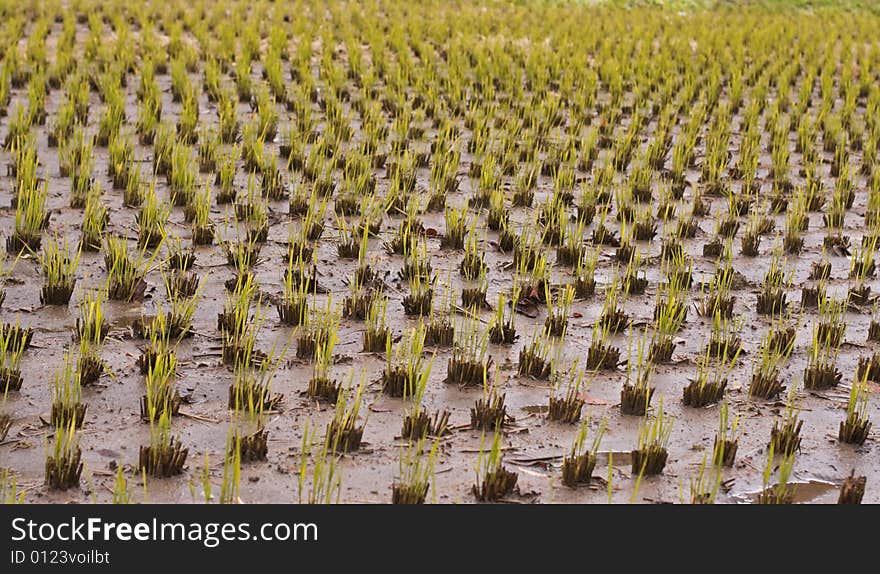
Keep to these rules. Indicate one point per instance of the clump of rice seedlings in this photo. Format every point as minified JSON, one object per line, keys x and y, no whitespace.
{"x":558,"y":311}
{"x":404,"y":363}
{"x":318,"y":327}
{"x":772,"y":297}
{"x":242,"y":255}
{"x":613,"y":319}
{"x":94,"y":224}
{"x":161,"y":391}
{"x":415,"y":472}
{"x":874,"y":325}
{"x":469,"y":364}
{"x":5,"y":422}
{"x":9,"y":492}
{"x":417,"y":422}
{"x":489,"y":411}
{"x":439,"y":330}
{"x":821,"y":371}
{"x":238,"y":328}
{"x":493,"y":481}
{"x":502,"y":329}
{"x":831,"y":327}
{"x":326,"y":480}
{"x":343,"y":432}
{"x":473,"y":296}
{"x":252,"y":385}
{"x":90,"y":323}
{"x":670,"y":313}
{"x":726,"y":439}
{"x":64,"y":459}
{"x":164,"y":456}
{"x":578,"y":464}
{"x":635,"y":396}
{"x":472,"y":266}
{"x":419,"y":300}
{"x":796,"y":222}
{"x":456,"y":226}
{"x":716,"y":296}
{"x":535,"y":358}
{"x":292,"y":306}
{"x":376,"y":335}
{"x":853,"y":489}
{"x":125,"y":271}
{"x":225,"y":178}
{"x":322,"y":385}
{"x":786,"y":438}
{"x":231,"y":480}
{"x":12,"y":346}
{"x":248,"y":431}
{"x":584,"y":274}
{"x":152,"y":219}
{"x":200,"y":218}
{"x":708,"y":388}
{"x":348,"y":245}
{"x":59,"y":272}
{"x":208,"y":149}
{"x":31,"y":218}
{"x":67,"y":406}
{"x":601,"y":354}
{"x":703,"y":488}
{"x":650,"y":456}
{"x":782,"y":492}
{"x":724,"y":340}
{"x":567,"y":408}
{"x":765,"y":382}
{"x":855,"y":428}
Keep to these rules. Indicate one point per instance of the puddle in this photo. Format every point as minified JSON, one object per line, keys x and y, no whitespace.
{"x":805,"y":491}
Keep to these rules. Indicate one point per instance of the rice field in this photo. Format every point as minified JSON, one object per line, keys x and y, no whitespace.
{"x":444,"y":252}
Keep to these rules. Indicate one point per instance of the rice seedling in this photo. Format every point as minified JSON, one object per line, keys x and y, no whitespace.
{"x":821,"y":371}
{"x":558,"y":310}
{"x":151,"y":219}
{"x":535,"y":359}
{"x":162,"y":396}
{"x":415,"y":472}
{"x":567,"y":408}
{"x":126,"y":272}
{"x":704,"y":488}
{"x":853,"y":489}
{"x":708,"y":388}
{"x":59,"y":268}
{"x":9,"y":491}
{"x":785,"y":437}
{"x":782,"y":492}
{"x":67,"y":406}
{"x":493,"y":480}
{"x":856,"y":427}
{"x":13,"y":342}
{"x":31,"y":218}
{"x":343,"y":432}
{"x":64,"y":459}
{"x":650,"y":456}
{"x":165,"y":455}
{"x":404,"y":364}
{"x":470,"y":363}
{"x":578,"y":464}
{"x":489,"y":411}
{"x":635,"y":396}
{"x":96,"y":215}
{"x":726,"y":442}
{"x":326,"y":478}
